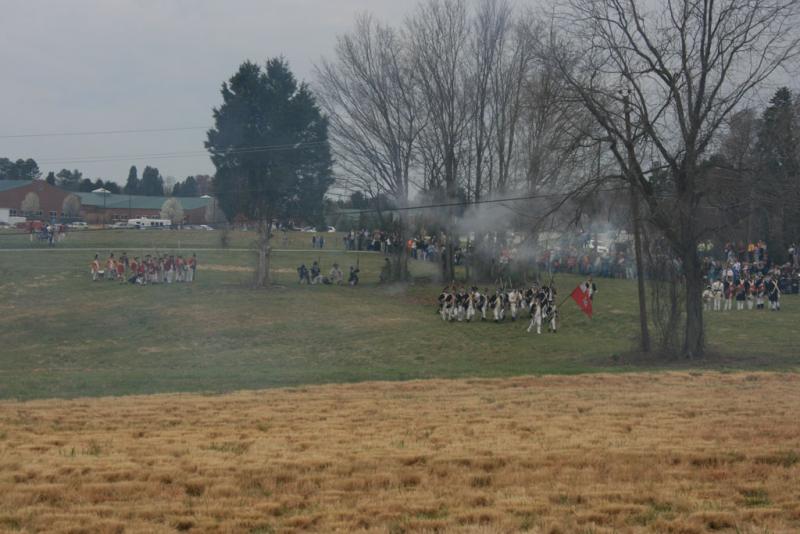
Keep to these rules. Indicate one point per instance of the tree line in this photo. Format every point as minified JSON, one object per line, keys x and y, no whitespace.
{"x":456,"y":104}
{"x":474,"y":99}
{"x":151,"y":183}
{"x":21,"y":169}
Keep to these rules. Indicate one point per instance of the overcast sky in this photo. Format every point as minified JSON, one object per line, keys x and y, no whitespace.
{"x":103,"y":65}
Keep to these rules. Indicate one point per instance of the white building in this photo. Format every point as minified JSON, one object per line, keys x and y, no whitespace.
{"x":7,"y":218}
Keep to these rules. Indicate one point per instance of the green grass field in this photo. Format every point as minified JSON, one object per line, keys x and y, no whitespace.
{"x":107,"y":238}
{"x":63,"y":336}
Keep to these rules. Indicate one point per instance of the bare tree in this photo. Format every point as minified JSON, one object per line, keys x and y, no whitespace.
{"x":439,"y":33}
{"x":71,"y":206}
{"x":172,"y":210}
{"x":687,"y":65}
{"x":556,"y":127}
{"x":370,"y":96}
{"x":30,"y":204}
{"x":509,"y":77}
{"x":213,"y":213}
{"x":490,"y":28}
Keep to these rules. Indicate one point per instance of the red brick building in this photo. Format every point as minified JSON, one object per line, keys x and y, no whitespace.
{"x":50,"y":199}
{"x":95,"y":208}
{"x":108,"y":208}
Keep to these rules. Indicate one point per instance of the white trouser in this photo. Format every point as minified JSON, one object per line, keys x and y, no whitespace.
{"x":536,"y":321}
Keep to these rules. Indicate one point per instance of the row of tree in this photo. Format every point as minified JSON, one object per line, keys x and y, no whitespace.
{"x":153,"y":184}
{"x":757,"y":172}
{"x":475,"y":99}
{"x":457,"y":103}
{"x":150,"y":184}
{"x":73,"y":180}
{"x":21,"y":169}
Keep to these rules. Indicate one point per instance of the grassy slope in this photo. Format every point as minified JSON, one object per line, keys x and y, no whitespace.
{"x":62,"y":336}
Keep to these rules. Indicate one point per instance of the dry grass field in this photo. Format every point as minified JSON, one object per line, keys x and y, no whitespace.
{"x":669,"y":452}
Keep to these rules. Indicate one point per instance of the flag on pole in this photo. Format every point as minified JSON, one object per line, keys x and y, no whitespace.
{"x":581,"y":298}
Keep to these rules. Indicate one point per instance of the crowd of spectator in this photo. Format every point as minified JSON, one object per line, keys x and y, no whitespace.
{"x":737,"y":261}
{"x":742,"y":261}
{"x":587,"y":262}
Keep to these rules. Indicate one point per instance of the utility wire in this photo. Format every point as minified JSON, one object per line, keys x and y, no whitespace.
{"x":103,"y":132}
{"x":187,"y":153}
{"x":473,"y":203}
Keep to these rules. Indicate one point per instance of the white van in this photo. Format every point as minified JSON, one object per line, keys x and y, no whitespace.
{"x":143,"y":223}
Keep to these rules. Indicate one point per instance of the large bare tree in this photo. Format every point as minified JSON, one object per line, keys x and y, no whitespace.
{"x":686,"y":65}
{"x":375,"y":115}
{"x":490,"y":28}
{"x":439,"y":35}
{"x":373,"y":106}
{"x":556,"y":128}
{"x":509,"y":77}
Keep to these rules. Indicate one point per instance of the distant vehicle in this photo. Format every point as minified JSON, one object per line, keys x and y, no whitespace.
{"x":143,"y":223}
{"x":601,"y":248}
{"x":80,"y":225}
{"x":309,"y":229}
{"x":205,"y":227}
{"x":121,"y":224}
{"x":330,"y":229}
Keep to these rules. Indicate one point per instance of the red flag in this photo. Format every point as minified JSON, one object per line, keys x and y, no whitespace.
{"x":581,"y":298}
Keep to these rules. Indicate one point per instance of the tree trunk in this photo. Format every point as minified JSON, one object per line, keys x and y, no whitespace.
{"x":448,"y":268}
{"x":262,"y":270}
{"x":467,"y":258}
{"x":478,"y":267}
{"x":694,"y":342}
{"x":451,"y":265}
{"x":403,"y":274}
{"x":400,"y":269}
{"x":644,"y":343}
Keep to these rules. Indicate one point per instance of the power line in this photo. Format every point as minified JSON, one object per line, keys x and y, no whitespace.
{"x":470,"y":203}
{"x":102,"y":132}
{"x":186,"y":153}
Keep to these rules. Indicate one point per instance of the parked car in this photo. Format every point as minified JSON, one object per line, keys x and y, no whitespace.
{"x":330,"y":229}
{"x":121,"y":224}
{"x":80,"y":225}
{"x":204,"y":227}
